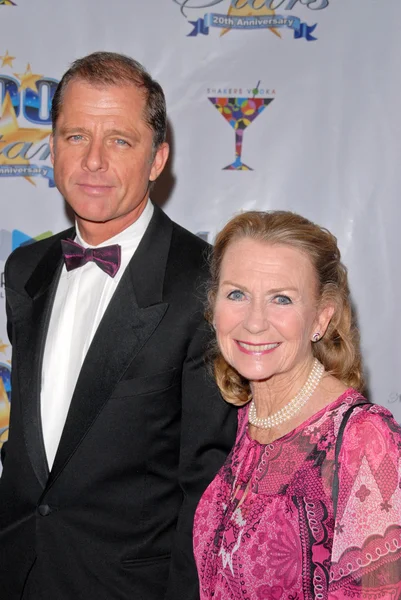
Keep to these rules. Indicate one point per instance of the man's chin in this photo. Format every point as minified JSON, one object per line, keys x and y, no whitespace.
{"x":88,"y":214}
{"x":90,"y":219}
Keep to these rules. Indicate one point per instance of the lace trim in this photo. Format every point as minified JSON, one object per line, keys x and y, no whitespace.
{"x":376,"y":548}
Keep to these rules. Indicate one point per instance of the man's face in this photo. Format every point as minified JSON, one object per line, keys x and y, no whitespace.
{"x":103,"y":155}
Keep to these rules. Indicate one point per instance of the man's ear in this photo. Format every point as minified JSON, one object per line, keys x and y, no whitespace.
{"x":159,"y":161}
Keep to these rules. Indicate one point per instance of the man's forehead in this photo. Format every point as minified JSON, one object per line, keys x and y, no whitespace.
{"x":83,"y":97}
{"x":80,"y":85}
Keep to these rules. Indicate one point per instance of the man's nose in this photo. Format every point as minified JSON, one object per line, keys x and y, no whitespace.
{"x":95,"y":157}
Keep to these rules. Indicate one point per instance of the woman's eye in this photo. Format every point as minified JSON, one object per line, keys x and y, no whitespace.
{"x":236,"y":295}
{"x":282,"y":299}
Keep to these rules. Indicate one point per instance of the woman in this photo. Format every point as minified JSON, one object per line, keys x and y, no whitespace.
{"x":308,"y":503}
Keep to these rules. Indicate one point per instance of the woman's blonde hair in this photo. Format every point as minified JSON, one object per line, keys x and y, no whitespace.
{"x":338,"y":350}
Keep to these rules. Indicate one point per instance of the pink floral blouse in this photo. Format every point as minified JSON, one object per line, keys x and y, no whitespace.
{"x":265,"y":528}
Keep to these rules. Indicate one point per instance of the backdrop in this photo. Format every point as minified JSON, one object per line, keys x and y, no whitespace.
{"x":273,"y":104}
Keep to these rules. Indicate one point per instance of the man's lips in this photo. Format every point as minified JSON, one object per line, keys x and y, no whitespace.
{"x":257,"y":349}
{"x":94,"y":189}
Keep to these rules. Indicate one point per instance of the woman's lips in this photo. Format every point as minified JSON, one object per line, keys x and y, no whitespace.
{"x":257,"y":349}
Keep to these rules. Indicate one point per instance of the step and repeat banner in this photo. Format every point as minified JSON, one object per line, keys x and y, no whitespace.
{"x":273,"y":104}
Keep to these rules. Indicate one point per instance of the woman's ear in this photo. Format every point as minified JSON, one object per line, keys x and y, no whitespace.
{"x":322,"y":321}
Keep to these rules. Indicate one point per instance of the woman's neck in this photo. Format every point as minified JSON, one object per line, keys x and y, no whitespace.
{"x":270,"y":395}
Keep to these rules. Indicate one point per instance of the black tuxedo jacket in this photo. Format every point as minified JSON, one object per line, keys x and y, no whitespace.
{"x":145,"y":434}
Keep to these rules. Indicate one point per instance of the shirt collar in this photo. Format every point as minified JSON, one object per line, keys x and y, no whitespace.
{"x":129,"y":235}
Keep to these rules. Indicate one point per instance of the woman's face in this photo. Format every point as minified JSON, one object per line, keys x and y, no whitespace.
{"x":266,"y":309}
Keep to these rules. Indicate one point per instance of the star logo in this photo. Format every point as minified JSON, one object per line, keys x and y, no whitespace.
{"x":250,"y":15}
{"x":247,"y":11}
{"x":28,"y":79}
{"x":25,"y":121}
{"x":11,"y":133}
{"x":7,"y":60}
{"x":7,"y":3}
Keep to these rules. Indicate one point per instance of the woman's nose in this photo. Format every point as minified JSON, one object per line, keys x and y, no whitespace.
{"x":256,"y":319}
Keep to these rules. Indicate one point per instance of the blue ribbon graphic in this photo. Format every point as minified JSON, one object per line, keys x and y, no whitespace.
{"x":28,"y":171}
{"x":301,"y":30}
{"x":199,"y":26}
{"x":305,"y":31}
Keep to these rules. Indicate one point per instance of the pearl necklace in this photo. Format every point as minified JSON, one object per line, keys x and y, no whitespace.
{"x":294,"y":406}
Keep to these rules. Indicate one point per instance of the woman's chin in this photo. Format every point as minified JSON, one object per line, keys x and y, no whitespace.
{"x":255,"y":373}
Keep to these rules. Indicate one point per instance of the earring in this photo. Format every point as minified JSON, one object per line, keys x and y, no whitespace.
{"x":316,"y":336}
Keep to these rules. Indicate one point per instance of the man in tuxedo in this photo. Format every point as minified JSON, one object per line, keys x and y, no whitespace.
{"x":116,"y":429}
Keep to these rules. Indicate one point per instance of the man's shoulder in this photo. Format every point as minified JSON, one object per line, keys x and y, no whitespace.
{"x":23,"y":260}
{"x":187,"y":252}
{"x":189,"y":248}
{"x":189,"y":239}
{"x":36,"y":249}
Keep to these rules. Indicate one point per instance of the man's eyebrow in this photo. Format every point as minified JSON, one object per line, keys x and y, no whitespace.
{"x":66,"y":129}
{"x":129,"y":133}
{"x":123,"y":132}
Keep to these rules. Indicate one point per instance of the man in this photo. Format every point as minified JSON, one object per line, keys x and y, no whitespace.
{"x":115,"y":428}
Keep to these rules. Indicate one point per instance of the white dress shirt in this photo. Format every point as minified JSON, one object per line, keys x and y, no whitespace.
{"x":81,"y":299}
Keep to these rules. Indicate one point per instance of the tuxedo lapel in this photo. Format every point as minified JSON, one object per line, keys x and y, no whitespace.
{"x":41,"y":287}
{"x":131,"y":317}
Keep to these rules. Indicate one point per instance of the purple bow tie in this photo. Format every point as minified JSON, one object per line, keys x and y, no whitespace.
{"x":108,"y":258}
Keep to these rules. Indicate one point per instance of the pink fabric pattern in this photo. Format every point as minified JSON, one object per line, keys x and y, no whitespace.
{"x":265,"y":527}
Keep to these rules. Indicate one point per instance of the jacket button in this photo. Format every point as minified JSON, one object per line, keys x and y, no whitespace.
{"x":44,"y":510}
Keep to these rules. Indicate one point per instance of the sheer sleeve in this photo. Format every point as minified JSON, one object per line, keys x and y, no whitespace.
{"x":366,"y":553}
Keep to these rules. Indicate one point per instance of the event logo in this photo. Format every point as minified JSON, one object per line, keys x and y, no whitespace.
{"x":7,"y":3}
{"x":10,"y":240}
{"x":240,"y":111}
{"x":250,"y":15}
{"x":5,"y":396}
{"x":25,"y":123}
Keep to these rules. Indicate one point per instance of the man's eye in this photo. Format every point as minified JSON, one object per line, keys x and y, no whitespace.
{"x":75,"y":138}
{"x":120,"y":142}
{"x":281,"y":299}
{"x":236,"y":295}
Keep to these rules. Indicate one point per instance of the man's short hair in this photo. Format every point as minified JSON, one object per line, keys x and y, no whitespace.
{"x":108,"y":69}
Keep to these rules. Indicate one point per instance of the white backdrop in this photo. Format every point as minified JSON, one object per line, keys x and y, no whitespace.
{"x":326,"y":146}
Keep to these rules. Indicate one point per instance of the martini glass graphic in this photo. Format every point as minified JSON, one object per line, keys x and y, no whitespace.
{"x":240,"y":113}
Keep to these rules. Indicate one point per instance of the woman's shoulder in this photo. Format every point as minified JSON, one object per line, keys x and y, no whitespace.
{"x":359,"y":404}
{"x":351,"y":413}
{"x":366,"y":421}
